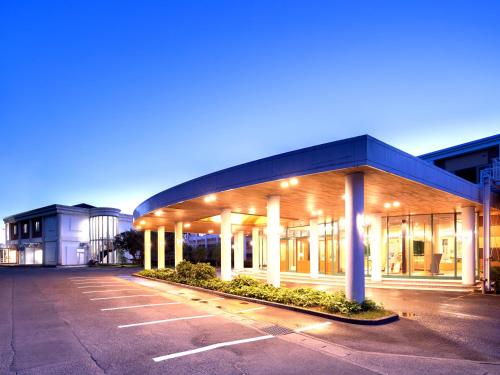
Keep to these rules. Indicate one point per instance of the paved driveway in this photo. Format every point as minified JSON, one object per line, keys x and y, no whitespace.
{"x":92,"y":321}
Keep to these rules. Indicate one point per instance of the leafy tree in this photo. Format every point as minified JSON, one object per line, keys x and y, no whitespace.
{"x":133,"y":242}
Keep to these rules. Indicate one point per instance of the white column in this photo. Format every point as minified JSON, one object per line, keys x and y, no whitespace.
{"x":468,"y":245}
{"x":147,"y":249}
{"x":179,"y":242}
{"x":238,"y":250}
{"x":376,"y":247}
{"x":313,"y":248}
{"x":161,"y":248}
{"x":273,"y":240}
{"x":225,"y":245}
{"x":486,"y":234}
{"x":255,"y":249}
{"x":354,"y":222}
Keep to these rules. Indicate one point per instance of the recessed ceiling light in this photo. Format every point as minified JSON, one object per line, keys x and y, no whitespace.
{"x":294,"y":181}
{"x":387,"y":205}
{"x":158,"y":212}
{"x":210,"y":231}
{"x":319,"y":212}
{"x":396,"y":204}
{"x":210,"y":198}
{"x":284,"y":184}
{"x":187,"y":225}
{"x":142,"y":222}
{"x":138,"y":227}
{"x":251,"y":211}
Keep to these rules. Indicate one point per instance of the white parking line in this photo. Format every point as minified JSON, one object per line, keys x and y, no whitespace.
{"x":137,"y":306}
{"x":165,"y":321}
{"x":247,"y":310}
{"x":211,"y":347}
{"x":109,"y":290}
{"x":311,"y":327}
{"x":99,"y":282}
{"x":98,"y":286}
{"x":118,"y":297}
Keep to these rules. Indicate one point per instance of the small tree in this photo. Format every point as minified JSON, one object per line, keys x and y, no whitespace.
{"x":133,"y":242}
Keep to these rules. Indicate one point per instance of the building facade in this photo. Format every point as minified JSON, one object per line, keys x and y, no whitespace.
{"x":63,"y":235}
{"x":356,"y":207}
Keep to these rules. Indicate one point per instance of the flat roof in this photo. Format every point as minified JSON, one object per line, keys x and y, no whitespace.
{"x":463,"y":148}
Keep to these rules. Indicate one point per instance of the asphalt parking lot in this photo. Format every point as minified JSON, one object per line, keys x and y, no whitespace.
{"x":93,"y":321}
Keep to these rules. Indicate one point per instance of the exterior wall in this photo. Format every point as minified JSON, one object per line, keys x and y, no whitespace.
{"x":50,"y":239}
{"x":74,"y":231}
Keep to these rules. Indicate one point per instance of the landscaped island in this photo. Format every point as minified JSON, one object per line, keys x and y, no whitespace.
{"x":203,"y":275}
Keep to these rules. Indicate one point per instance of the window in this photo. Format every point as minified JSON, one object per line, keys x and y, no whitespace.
{"x":25,"y":228}
{"x":14,"y":230}
{"x":37,"y":226}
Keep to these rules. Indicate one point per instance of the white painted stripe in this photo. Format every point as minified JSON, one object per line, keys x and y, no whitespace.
{"x":211,"y":347}
{"x":108,"y":290}
{"x":137,"y":306}
{"x":165,"y":321}
{"x":99,"y":286}
{"x":210,"y":299}
{"x":98,"y":282}
{"x":314,"y":326}
{"x":117,"y":297}
{"x":254,"y":309}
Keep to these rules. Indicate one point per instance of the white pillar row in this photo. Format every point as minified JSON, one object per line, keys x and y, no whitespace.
{"x":468,"y":245}
{"x":313,"y":248}
{"x":179,"y":242}
{"x":225,"y":245}
{"x":147,"y":249}
{"x":354,"y":223}
{"x":376,"y":247}
{"x":238,"y":250}
{"x":161,"y":248}
{"x":255,"y":249}
{"x":273,"y":240}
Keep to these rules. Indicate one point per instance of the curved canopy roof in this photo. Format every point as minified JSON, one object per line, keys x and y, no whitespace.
{"x":319,"y":171}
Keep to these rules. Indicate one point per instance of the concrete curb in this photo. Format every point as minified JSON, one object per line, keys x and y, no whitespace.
{"x":339,"y":318}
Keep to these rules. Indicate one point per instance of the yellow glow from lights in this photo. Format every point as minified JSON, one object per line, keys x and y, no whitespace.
{"x":187,"y":225}
{"x":210,"y":231}
{"x":294,"y":181}
{"x":396,"y":204}
{"x":387,"y":205}
{"x":142,"y":222}
{"x":138,"y":227}
{"x":284,"y":184}
{"x":158,"y":212}
{"x":210,"y":198}
{"x":251,"y":211}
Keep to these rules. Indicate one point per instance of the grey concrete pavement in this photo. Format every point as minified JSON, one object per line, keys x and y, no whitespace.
{"x":55,"y":321}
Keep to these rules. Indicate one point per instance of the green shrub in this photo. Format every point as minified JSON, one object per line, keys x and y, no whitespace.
{"x":203,"y":275}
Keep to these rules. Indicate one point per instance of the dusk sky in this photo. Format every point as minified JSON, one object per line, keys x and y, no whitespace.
{"x":110,"y":102}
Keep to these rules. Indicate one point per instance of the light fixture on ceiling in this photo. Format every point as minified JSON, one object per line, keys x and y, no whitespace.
{"x":187,"y":225}
{"x":142,"y":222}
{"x":284,"y":184}
{"x":294,"y":181}
{"x":251,"y":211}
{"x":387,"y":205}
{"x":210,"y":198}
{"x":158,"y":212}
{"x":138,"y":227}
{"x":210,"y":231}
{"x":396,"y":204}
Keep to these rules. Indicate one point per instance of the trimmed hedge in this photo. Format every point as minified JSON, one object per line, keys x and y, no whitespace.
{"x":203,"y":275}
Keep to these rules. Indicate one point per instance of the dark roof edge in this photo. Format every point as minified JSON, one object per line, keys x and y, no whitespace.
{"x":462,"y":148}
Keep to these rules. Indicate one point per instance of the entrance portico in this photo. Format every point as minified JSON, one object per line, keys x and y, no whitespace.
{"x":355,"y":208}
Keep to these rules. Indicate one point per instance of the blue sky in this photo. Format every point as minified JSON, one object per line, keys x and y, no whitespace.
{"x":109,"y":102}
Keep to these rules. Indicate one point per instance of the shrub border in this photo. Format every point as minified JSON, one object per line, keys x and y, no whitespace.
{"x":340,"y":318}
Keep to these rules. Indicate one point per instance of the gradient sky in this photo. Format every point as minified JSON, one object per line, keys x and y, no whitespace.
{"x":110,"y":102}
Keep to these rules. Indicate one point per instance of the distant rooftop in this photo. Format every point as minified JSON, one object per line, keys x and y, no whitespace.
{"x":463,"y":148}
